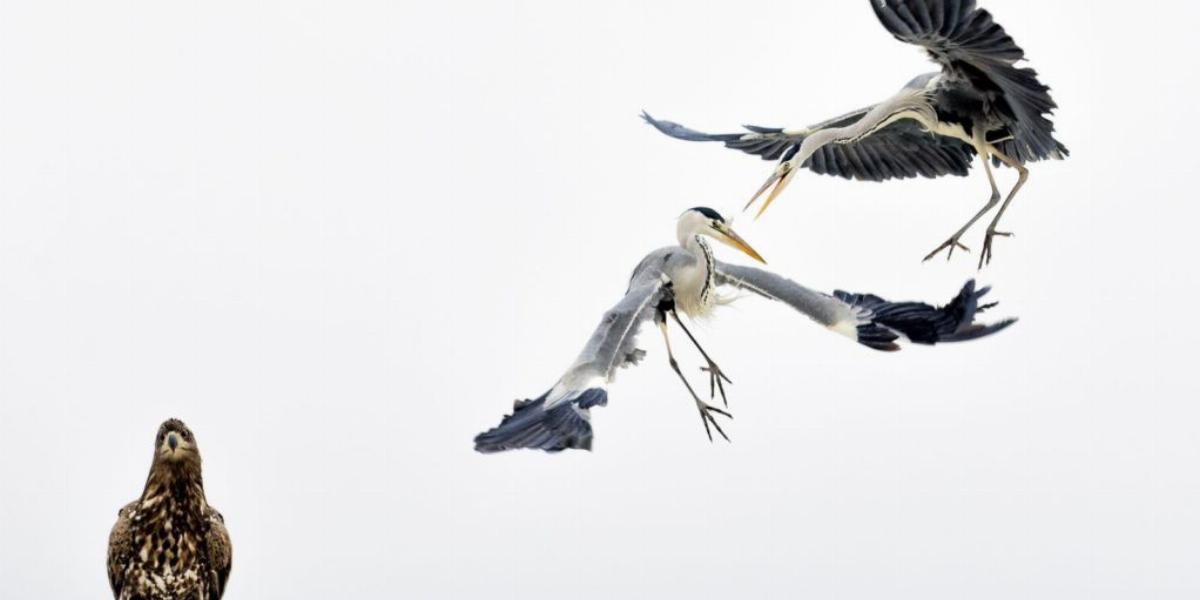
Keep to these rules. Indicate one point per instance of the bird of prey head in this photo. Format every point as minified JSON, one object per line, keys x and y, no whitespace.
{"x":176,"y":455}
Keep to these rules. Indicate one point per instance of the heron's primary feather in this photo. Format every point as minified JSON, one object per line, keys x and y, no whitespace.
{"x":977,"y":55}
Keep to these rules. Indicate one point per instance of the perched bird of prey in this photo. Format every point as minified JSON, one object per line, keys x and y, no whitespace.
{"x":689,"y":278}
{"x":979,"y":103}
{"x":169,"y":544}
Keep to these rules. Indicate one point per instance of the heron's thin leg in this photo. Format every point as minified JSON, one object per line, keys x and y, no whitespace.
{"x":705,"y":409}
{"x":953,"y":242}
{"x":715,"y":374}
{"x":1022,"y":175}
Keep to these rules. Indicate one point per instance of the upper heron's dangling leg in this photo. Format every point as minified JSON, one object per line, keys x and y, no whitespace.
{"x":953,"y":242}
{"x":985,"y":256}
{"x":705,"y":409}
{"x":715,"y":374}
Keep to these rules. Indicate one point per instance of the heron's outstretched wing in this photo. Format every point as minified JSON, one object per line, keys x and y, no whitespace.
{"x":120,"y":547}
{"x":899,"y":150}
{"x":559,"y":419}
{"x":975,"y":51}
{"x":220,"y":552}
{"x":869,"y":319}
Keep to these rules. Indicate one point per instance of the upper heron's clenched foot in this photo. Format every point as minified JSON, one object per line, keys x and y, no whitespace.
{"x":706,"y":411}
{"x":985,"y":256}
{"x":715,"y":383}
{"x":951,"y":243}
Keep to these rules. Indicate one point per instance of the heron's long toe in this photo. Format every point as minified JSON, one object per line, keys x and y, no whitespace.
{"x":951,"y":243}
{"x":706,"y":417}
{"x":716,"y":382}
{"x":985,"y":256}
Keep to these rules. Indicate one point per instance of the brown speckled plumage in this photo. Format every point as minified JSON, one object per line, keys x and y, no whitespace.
{"x":169,"y":543}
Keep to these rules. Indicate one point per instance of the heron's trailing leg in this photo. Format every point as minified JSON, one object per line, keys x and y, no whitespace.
{"x":953,"y":242}
{"x":705,"y":409}
{"x":715,"y":374}
{"x":985,"y":256}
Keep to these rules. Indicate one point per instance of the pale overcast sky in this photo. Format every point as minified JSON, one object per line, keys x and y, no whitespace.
{"x":338,"y":239}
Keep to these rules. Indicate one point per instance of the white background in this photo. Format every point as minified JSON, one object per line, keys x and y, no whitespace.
{"x":338,"y":239}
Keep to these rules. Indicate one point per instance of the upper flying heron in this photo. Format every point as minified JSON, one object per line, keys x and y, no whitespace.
{"x":688,"y":278}
{"x":980,"y":103}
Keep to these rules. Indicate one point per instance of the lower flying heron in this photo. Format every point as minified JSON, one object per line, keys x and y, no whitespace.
{"x":688,"y":278}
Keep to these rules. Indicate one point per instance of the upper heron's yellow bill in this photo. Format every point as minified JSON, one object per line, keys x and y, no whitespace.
{"x":782,"y":183}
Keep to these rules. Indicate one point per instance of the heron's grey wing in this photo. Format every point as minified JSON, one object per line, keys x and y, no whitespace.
{"x":613,"y":343}
{"x":869,"y":319}
{"x":559,"y":419}
{"x":120,"y":548}
{"x":975,"y":51}
{"x":220,"y":553}
{"x":900,"y":150}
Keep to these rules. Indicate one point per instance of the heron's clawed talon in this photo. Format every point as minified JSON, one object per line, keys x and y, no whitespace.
{"x":951,"y":243}
{"x":706,"y":416}
{"x":715,"y":384}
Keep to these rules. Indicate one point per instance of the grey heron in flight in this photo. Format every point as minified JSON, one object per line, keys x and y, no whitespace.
{"x":980,"y":103}
{"x":689,"y":278}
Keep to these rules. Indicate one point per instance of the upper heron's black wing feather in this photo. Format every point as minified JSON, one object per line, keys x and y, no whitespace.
{"x":975,"y":51}
{"x":898,"y":151}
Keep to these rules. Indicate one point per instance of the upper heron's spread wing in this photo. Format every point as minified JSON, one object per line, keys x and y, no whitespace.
{"x":558,"y":419}
{"x":899,"y":150}
{"x":220,"y":551}
{"x":869,"y":319}
{"x":975,"y":51}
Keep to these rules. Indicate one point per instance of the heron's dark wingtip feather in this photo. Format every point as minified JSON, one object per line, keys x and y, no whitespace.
{"x":975,"y":331}
{"x":680,"y":132}
{"x":922,"y":323}
{"x":532,"y":426}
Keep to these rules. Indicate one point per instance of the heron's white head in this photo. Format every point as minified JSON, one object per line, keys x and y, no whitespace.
{"x":706,"y":221}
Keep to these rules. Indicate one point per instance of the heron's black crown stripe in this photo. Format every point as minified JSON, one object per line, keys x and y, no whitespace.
{"x":710,"y":213}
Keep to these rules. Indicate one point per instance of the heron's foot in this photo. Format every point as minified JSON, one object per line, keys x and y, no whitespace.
{"x":950,"y":244}
{"x":706,"y":416}
{"x":715,"y":383}
{"x":985,"y":257}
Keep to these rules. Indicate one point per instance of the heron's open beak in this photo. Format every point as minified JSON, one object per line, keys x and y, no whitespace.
{"x":729,"y":237}
{"x":780,"y":179}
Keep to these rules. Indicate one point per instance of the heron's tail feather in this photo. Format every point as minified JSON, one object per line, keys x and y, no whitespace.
{"x":533,"y":425}
{"x":885,"y":322}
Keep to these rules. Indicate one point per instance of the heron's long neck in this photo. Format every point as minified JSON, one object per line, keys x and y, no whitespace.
{"x":909,"y":104}
{"x":700,"y":248}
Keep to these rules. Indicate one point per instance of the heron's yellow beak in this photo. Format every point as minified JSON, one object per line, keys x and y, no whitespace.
{"x":729,"y":237}
{"x":780,"y":179}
